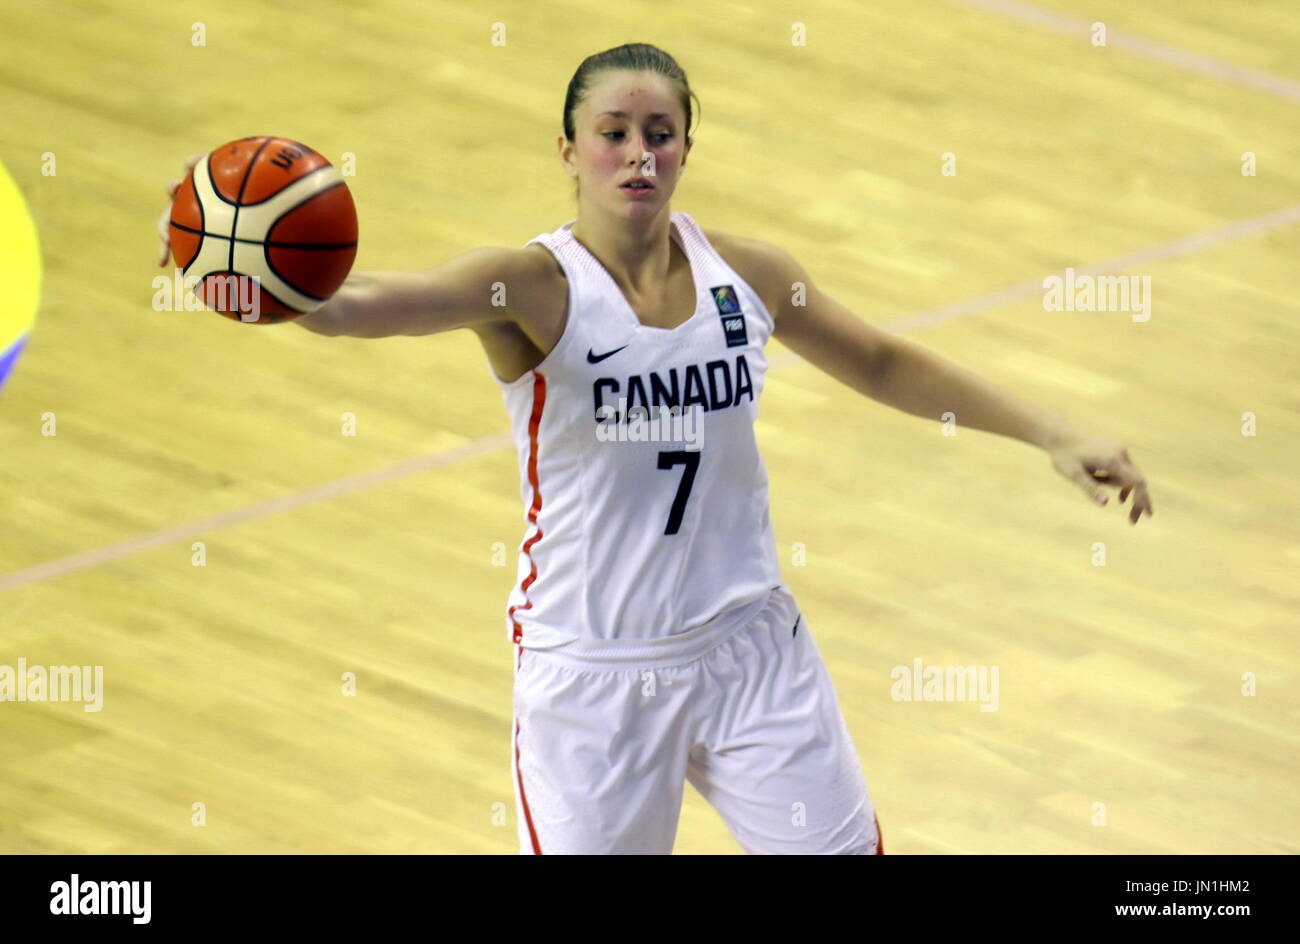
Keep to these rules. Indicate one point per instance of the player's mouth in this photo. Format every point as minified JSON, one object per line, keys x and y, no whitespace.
{"x":637,"y":187}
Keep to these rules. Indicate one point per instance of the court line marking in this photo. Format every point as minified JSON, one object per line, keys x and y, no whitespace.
{"x":1021,"y":290}
{"x":1140,"y":45}
{"x":1178,"y":247}
{"x":263,"y":509}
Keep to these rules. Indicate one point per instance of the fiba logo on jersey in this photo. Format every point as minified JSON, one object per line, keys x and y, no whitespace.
{"x":725,"y":298}
{"x":674,"y":424}
{"x":733,"y":321}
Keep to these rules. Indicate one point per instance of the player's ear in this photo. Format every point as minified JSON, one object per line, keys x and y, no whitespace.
{"x":565,"y":147}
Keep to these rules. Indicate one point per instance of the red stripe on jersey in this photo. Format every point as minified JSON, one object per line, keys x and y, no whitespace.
{"x":534,"y":423}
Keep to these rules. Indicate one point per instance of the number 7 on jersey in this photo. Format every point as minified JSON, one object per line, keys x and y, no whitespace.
{"x":692,"y":462}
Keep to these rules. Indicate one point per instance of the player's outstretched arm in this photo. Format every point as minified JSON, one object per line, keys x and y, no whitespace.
{"x":456,"y":294}
{"x":911,"y":378}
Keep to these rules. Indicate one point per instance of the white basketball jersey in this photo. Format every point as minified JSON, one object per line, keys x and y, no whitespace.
{"x":644,"y":492}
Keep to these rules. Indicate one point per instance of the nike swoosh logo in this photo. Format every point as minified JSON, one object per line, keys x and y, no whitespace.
{"x":594,"y":358}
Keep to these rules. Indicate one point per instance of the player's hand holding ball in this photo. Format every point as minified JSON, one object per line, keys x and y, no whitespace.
{"x":266,"y":225}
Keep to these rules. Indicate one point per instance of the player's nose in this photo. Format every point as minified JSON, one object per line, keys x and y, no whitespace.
{"x":637,"y":148}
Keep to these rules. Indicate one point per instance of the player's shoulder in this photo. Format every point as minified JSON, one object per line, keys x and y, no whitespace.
{"x":768,"y":268}
{"x":542,"y":281}
{"x":746,"y":248}
{"x":527,"y":264}
{"x":529,"y":274}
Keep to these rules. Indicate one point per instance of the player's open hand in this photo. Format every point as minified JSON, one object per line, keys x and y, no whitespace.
{"x":164,"y":229}
{"x":1089,"y":462}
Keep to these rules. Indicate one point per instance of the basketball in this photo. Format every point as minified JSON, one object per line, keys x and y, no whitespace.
{"x":267,"y":227}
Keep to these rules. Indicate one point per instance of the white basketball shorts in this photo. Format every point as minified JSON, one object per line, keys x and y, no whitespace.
{"x":606,"y":734}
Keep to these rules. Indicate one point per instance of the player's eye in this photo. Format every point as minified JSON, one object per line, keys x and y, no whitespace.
{"x":660,"y":137}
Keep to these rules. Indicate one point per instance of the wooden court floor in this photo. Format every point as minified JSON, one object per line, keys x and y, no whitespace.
{"x":1146,"y":704}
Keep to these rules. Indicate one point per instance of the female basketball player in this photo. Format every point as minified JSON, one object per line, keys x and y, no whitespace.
{"x":655,"y":640}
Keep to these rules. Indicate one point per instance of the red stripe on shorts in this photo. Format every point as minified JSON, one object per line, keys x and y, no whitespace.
{"x":519,"y":775}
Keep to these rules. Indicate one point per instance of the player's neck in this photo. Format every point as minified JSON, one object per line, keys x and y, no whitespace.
{"x":637,"y":253}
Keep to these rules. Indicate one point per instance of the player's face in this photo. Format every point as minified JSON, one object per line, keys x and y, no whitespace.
{"x":630,"y":127}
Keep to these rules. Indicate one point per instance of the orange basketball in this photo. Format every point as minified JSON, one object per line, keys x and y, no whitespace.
{"x":267,"y":226}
